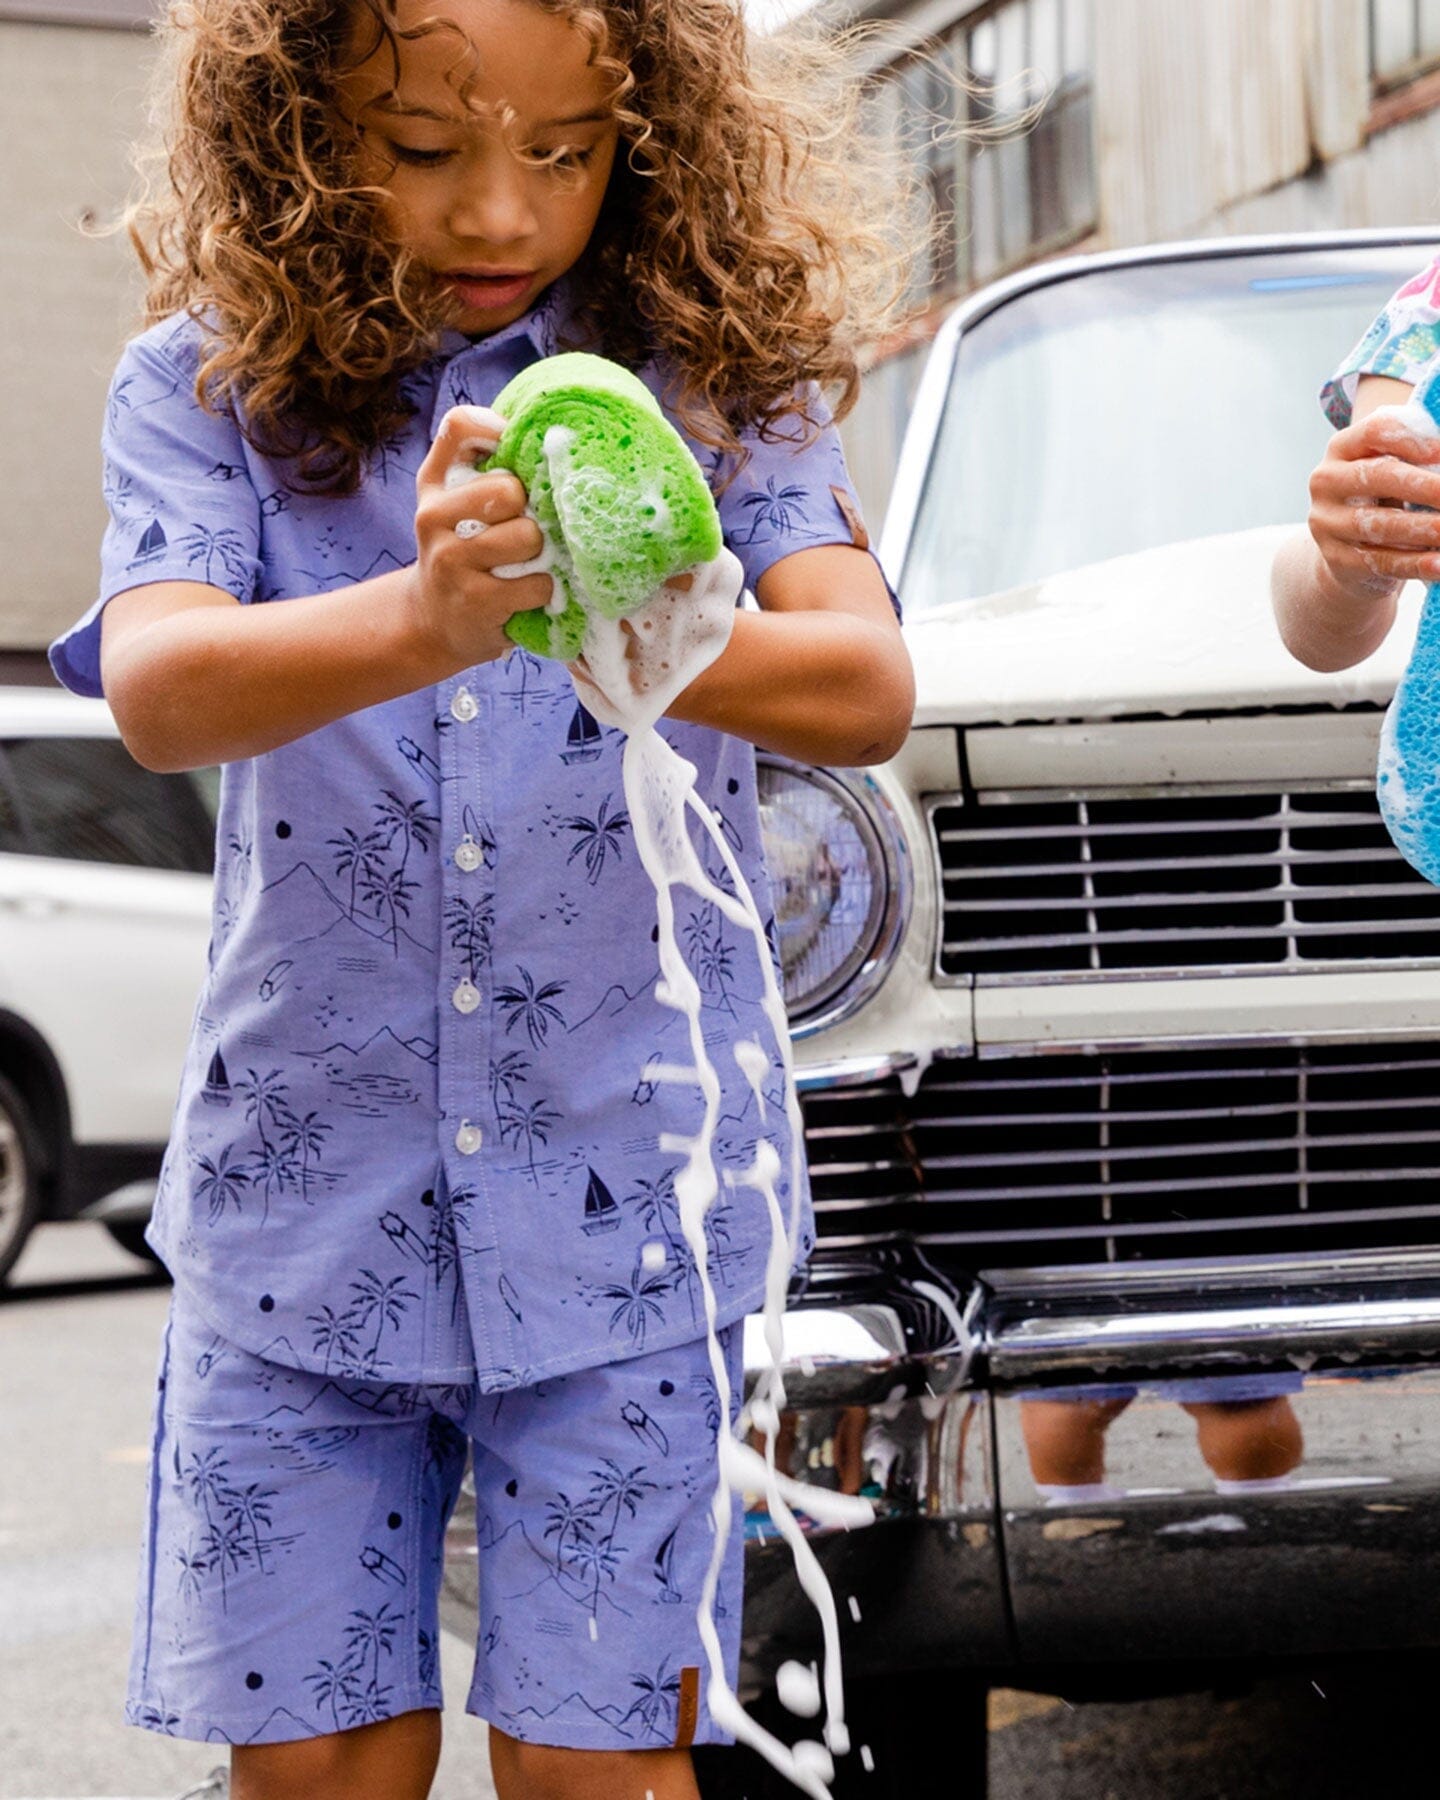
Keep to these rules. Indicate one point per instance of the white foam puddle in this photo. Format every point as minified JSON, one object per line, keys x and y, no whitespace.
{"x":682,"y":638}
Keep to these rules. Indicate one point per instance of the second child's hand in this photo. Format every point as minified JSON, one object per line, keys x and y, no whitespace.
{"x":1368,"y":542}
{"x":456,"y":600}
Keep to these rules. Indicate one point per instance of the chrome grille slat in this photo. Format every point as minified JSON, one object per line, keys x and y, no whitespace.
{"x":1106,"y":882}
{"x":1086,"y":1156}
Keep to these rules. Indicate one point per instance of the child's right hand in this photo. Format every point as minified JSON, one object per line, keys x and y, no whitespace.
{"x":1368,"y":543}
{"x":458,"y":603}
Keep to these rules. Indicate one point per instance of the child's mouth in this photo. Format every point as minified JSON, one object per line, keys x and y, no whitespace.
{"x":484,"y":291}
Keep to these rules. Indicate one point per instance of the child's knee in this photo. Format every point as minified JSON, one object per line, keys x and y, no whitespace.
{"x":392,"y":1760}
{"x":546,"y":1772}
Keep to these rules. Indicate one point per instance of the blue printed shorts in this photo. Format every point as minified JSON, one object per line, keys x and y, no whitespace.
{"x":290,"y":1580}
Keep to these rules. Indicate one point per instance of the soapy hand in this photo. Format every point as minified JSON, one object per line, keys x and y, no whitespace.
{"x":633,"y":669}
{"x":465,"y":585}
{"x":1361,"y":494}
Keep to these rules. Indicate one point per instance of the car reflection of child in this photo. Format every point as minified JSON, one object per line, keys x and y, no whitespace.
{"x":1335,"y":587}
{"x":410,"y":1200}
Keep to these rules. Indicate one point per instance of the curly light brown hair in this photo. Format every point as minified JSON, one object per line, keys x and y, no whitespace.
{"x":752,"y":234}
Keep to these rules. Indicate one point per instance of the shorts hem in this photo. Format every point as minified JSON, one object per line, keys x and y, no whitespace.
{"x":278,"y":1726}
{"x":599,"y":1737}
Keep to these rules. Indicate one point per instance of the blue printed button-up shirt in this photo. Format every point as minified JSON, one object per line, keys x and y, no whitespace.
{"x":418,"y":1128}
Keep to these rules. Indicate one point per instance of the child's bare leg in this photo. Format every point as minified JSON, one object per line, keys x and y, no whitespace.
{"x":542,"y":1772}
{"x":394,"y":1760}
{"x":1248,"y":1440}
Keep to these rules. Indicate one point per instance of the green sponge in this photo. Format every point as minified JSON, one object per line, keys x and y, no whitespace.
{"x":621,"y":502}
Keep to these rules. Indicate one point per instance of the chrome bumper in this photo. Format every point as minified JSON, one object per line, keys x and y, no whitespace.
{"x":1095,"y":1465}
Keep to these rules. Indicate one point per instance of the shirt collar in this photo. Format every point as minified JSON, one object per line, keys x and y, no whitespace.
{"x":543,"y":326}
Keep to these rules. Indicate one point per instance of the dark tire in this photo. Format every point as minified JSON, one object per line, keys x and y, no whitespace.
{"x":129,"y":1234}
{"x":19,"y":1176}
{"x":923,"y":1731}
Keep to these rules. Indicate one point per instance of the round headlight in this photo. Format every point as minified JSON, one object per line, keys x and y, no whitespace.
{"x":836,"y":867}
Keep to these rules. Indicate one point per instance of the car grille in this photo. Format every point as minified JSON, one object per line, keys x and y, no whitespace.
{"x":1137,"y":1155}
{"x":1181,"y":882}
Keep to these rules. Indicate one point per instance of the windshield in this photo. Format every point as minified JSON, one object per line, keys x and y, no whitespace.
{"x":1134,"y":407}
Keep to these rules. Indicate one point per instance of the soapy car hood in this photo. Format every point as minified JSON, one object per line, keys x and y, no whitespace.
{"x":1184,"y":628}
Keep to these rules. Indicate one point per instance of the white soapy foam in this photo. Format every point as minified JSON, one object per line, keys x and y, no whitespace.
{"x":679,"y":635}
{"x":798,"y":1689}
{"x":867,"y":1761}
{"x":652,"y":1256}
{"x":854,"y":1609}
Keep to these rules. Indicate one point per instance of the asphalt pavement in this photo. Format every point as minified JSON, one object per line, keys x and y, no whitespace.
{"x":79,"y":1336}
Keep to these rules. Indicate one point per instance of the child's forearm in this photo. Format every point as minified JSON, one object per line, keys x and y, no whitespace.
{"x":822,"y":687}
{"x":215,"y":683}
{"x":1323,"y":625}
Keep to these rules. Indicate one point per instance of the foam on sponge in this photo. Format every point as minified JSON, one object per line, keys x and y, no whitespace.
{"x":620,"y":501}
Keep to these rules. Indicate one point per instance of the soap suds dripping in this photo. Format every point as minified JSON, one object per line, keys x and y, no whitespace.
{"x":686,"y":632}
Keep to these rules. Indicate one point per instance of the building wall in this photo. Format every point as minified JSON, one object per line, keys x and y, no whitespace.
{"x":74,"y":97}
{"x":1213,"y":117}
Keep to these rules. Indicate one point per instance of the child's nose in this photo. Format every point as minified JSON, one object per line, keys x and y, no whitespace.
{"x":494,"y":207}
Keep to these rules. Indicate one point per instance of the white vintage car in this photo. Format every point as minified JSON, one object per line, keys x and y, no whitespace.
{"x":104,"y":924}
{"x":1118,"y":1018}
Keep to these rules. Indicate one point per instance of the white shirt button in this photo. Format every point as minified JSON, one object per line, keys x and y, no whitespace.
{"x":466,"y":996}
{"x":468,"y":854}
{"x":468,"y":1138}
{"x":464,"y":706}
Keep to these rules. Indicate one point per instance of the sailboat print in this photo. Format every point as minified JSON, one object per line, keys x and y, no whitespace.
{"x":217,"y":1083}
{"x":602,"y":1210}
{"x":669,"y":1594}
{"x":582,"y":741}
{"x":152,"y":541}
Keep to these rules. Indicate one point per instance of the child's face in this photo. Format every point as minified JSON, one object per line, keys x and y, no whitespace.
{"x":511,"y":208}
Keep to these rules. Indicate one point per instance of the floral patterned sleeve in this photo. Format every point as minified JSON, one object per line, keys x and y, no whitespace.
{"x":1400,"y":343}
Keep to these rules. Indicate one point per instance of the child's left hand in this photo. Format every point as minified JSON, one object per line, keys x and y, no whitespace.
{"x":631,"y":673}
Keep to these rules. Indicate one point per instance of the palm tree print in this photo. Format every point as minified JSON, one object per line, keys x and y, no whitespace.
{"x":566,"y":1515}
{"x":372,"y":1635}
{"x":336,"y":1335}
{"x":407,"y":819}
{"x":470,"y":923}
{"x":597,"y":838}
{"x":775,"y":510}
{"x":200,"y":542}
{"x":657,"y":1206}
{"x":658,"y":1707}
{"x":506,"y":1075}
{"x":264,"y":1098}
{"x":221,"y":1183}
{"x":531,"y":1122}
{"x":308,"y":1136}
{"x":389,"y":889}
{"x":638,"y":1301}
{"x":251,"y":1507}
{"x":712,"y":957}
{"x":535,"y":1006}
{"x":612,"y":1485}
{"x":355,"y":856}
{"x":386,"y":1301}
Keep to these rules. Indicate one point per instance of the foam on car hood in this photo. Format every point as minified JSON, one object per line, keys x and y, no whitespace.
{"x":1184,"y":628}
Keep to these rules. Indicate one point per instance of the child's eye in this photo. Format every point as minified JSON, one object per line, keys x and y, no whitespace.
{"x":422,"y":157}
{"x":569,"y":157}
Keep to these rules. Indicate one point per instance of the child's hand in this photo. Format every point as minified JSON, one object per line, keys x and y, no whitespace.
{"x":629,"y":675}
{"x":1369,"y":544}
{"x":457,"y":600}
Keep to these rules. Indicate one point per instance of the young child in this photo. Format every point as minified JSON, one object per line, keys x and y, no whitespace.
{"x":414,"y":1196}
{"x":1335,"y":588}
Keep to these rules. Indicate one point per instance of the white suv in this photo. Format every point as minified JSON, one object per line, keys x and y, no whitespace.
{"x":104,"y":927}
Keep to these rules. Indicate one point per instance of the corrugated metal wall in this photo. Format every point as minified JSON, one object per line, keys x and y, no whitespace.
{"x":1216,"y":117}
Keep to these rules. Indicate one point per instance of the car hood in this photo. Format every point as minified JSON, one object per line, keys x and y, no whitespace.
{"x":1185,"y":628}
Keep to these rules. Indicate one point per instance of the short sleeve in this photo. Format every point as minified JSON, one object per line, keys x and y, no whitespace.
{"x":182,"y":505}
{"x":792,"y":496}
{"x":1401,"y":342}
